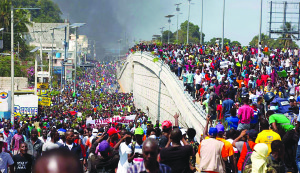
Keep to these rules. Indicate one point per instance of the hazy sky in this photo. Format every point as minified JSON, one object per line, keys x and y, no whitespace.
{"x":108,"y":20}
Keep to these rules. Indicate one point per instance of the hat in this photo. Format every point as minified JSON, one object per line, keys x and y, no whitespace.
{"x":213,"y":78}
{"x":139,"y":131}
{"x":103,"y":146}
{"x":242,"y":83}
{"x":213,"y":131}
{"x":220,"y":127}
{"x":111,"y":131}
{"x":166,"y":124}
{"x":95,"y":131}
{"x":252,"y":133}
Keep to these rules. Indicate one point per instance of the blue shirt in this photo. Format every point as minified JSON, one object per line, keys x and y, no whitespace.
{"x":227,"y":105}
{"x":232,"y":122}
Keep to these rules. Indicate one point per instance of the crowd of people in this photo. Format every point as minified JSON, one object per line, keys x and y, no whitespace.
{"x":251,"y":99}
{"x":251,"y":96}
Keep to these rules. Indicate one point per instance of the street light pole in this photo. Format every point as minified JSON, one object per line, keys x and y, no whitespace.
{"x":162,"y":31}
{"x":76,"y":25}
{"x":201,"y":37}
{"x":259,"y":36}
{"x":169,"y":21}
{"x":188,"y":24}
{"x":51,"y":59}
{"x":12,"y":68}
{"x":223,"y":25}
{"x":177,"y":9}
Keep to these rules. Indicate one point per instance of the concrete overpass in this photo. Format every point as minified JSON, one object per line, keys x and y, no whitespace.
{"x":158,"y":92}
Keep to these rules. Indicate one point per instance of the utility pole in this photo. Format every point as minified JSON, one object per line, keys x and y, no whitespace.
{"x":223,"y":25}
{"x":188,"y":24}
{"x":259,"y":36}
{"x":169,"y":21}
{"x":177,"y":9}
{"x":201,"y":36}
{"x":94,"y":50}
{"x":162,"y":31}
{"x":12,"y":68}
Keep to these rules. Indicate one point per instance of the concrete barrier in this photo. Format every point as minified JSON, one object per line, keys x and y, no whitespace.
{"x":158,"y":92}
{"x":20,"y":83}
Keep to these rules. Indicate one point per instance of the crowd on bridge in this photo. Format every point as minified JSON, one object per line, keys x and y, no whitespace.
{"x":250,"y":96}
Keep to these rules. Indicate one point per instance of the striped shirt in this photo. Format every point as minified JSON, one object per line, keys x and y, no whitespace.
{"x":140,"y":168}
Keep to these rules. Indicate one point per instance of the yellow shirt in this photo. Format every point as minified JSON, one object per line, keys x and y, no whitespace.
{"x":267,"y":137}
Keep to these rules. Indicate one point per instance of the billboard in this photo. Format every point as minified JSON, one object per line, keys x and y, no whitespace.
{"x":26,"y":105}
{"x":44,"y":101}
{"x":5,"y":100}
{"x":23,"y":105}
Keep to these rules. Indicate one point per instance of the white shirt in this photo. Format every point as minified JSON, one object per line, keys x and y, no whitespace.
{"x":123,"y":164}
{"x":198,"y":78}
{"x":69,"y":146}
{"x":50,"y":145}
{"x":240,"y":56}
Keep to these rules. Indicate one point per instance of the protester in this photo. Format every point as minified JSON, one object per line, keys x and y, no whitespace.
{"x":23,"y":162}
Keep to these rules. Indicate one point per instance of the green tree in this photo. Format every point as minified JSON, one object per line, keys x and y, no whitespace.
{"x":165,"y":36}
{"x":234,"y":43}
{"x":194,"y":34}
{"x":278,"y":43}
{"x":213,"y":41}
{"x":265,"y":40}
{"x":21,"y":19}
{"x":49,"y":12}
{"x":5,"y":67}
{"x":287,"y":38}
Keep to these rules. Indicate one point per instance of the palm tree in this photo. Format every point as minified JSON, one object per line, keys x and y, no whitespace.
{"x":21,"y":20}
{"x":287,"y":35}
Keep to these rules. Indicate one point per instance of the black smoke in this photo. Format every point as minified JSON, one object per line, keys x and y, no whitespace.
{"x":108,"y":20}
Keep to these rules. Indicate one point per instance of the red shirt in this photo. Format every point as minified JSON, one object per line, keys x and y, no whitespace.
{"x":259,"y":82}
{"x":265,"y":78}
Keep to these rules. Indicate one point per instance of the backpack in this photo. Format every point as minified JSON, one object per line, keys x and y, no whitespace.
{"x":247,"y":160}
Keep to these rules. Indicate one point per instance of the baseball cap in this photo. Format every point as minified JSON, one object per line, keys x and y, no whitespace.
{"x":139,"y":131}
{"x":213,"y":131}
{"x":103,"y":146}
{"x":95,"y":131}
{"x":220,"y":128}
{"x":252,"y":133}
{"x":166,"y":124}
{"x":111,"y":131}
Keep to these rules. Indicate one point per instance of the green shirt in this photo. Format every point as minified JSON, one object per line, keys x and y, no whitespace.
{"x":190,"y":78}
{"x":282,"y":120}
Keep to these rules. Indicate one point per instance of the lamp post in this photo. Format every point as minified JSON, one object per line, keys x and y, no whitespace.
{"x":223,"y":25}
{"x":162,"y":31}
{"x":119,"y":41}
{"x":169,"y":21}
{"x":259,"y":36}
{"x":52,"y":51}
{"x":12,"y":59}
{"x":177,"y":9}
{"x":76,"y":25}
{"x":188,"y":24}
{"x":201,"y":37}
